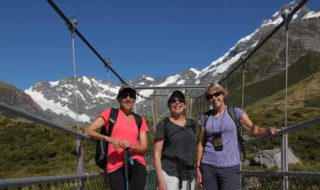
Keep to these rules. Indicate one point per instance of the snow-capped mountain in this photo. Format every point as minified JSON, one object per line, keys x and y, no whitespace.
{"x":59,"y":96}
{"x":94,"y":95}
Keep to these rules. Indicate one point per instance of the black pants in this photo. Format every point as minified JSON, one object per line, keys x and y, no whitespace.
{"x":137,"y":178}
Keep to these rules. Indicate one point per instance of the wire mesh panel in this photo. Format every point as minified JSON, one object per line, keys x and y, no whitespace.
{"x":271,"y":182}
{"x":151,"y":180}
{"x":92,"y":183}
{"x":251,"y":182}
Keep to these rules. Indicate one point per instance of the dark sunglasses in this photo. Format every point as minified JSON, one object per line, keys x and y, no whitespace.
{"x":123,"y":95}
{"x":179,"y":100}
{"x":210,"y":96}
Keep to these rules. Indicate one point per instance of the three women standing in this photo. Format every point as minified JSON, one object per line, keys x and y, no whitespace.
{"x":217,"y":156}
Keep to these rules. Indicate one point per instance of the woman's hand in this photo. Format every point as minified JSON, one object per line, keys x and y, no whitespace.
{"x":125,"y":144}
{"x":162,"y":186}
{"x":198,"y":177}
{"x":115,"y":142}
{"x":273,"y":131}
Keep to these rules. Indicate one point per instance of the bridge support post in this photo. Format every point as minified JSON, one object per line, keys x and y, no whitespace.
{"x":284,"y":145}
{"x":188,"y":103}
{"x":80,"y":162}
{"x":155,"y":109}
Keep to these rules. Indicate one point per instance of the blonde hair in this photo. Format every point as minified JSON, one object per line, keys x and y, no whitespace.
{"x":215,"y":87}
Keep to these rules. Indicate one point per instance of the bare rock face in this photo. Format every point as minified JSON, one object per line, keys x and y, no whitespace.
{"x":13,"y":96}
{"x":18,"y":99}
{"x":271,"y":158}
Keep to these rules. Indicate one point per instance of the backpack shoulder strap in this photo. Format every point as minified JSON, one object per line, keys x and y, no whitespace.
{"x":112,"y":120}
{"x":192,"y":125}
{"x":138,"y":119}
{"x":232,"y":113}
{"x":206,"y":116}
{"x":166,"y":120}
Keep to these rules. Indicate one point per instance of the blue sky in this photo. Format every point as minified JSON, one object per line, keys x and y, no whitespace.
{"x":151,"y":37}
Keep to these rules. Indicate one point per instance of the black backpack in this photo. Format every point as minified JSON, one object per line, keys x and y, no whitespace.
{"x":102,"y":145}
{"x":166,"y":120}
{"x":232,"y":114}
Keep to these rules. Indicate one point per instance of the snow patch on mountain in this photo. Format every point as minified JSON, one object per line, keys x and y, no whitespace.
{"x":218,"y":66}
{"x":144,"y":93}
{"x":311,"y":14}
{"x":149,"y":78}
{"x":181,"y":82}
{"x":55,"y":106}
{"x":247,"y":38}
{"x":53,"y":84}
{"x":268,"y":22}
{"x":85,"y":80}
{"x":170,"y":80}
{"x":195,"y":71}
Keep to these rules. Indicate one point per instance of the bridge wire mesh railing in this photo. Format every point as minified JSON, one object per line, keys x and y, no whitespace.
{"x":267,"y":180}
{"x":68,"y":182}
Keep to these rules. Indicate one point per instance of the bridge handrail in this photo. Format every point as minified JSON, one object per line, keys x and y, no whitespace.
{"x":288,"y":129}
{"x":19,"y":182}
{"x":281,"y":173}
{"x":29,"y":116}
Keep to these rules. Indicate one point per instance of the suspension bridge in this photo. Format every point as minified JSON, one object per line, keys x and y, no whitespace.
{"x":240,"y":94}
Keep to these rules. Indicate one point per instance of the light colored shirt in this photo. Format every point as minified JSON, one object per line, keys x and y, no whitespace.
{"x":229,"y":156}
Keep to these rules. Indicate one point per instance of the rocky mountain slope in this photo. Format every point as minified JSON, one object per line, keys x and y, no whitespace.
{"x":17,"y":98}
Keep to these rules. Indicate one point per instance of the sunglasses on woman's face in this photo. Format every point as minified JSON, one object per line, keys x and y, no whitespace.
{"x":124,"y":95}
{"x":210,"y":96}
{"x":174,"y":100}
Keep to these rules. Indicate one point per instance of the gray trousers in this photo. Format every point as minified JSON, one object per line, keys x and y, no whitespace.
{"x":220,"y":178}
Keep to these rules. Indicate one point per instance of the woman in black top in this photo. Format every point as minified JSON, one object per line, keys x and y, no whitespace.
{"x":174,"y":147}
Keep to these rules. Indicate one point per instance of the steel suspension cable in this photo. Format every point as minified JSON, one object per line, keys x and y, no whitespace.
{"x":243,"y":82}
{"x":242,"y":101}
{"x":79,"y":146}
{"x":109,"y":83}
{"x":106,"y":64}
{"x":290,"y":15}
{"x":75,"y":88}
{"x":76,"y":31}
{"x":284,"y":155}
